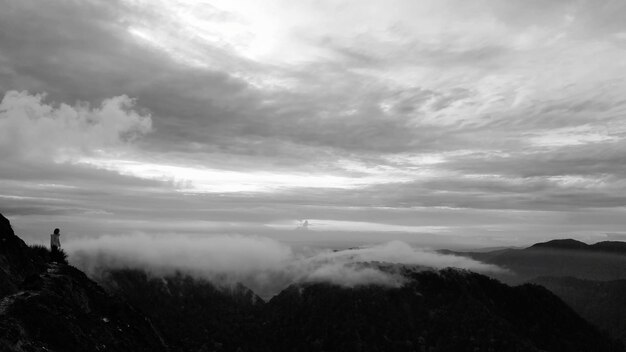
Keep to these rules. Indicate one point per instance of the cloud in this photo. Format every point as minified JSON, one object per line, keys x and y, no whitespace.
{"x":42,"y":141}
{"x":261,"y":263}
{"x":33,"y":129}
{"x":520,"y":102}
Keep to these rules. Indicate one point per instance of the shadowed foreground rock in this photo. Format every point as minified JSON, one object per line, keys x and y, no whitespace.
{"x":55,"y":307}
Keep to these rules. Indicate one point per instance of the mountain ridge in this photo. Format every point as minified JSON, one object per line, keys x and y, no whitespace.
{"x":589,"y":277}
{"x":615,"y":247}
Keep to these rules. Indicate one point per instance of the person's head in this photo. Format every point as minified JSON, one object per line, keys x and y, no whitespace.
{"x":56,"y":231}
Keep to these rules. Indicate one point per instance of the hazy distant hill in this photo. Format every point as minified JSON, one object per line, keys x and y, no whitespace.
{"x":608,"y":247}
{"x":590,"y":278}
{"x":567,"y":244}
{"x":601,"y":261}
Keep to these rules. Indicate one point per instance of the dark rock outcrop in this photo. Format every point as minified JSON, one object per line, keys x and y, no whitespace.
{"x":55,"y":307}
{"x":16,"y":263}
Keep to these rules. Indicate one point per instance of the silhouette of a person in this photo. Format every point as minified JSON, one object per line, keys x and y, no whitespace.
{"x":55,"y":242}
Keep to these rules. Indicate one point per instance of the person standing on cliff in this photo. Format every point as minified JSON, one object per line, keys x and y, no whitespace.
{"x":55,"y":242}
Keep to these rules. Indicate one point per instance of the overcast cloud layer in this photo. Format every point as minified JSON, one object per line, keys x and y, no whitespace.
{"x":444,"y":123}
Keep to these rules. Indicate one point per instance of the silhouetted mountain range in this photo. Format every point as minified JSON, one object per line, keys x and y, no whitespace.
{"x":54,"y":307}
{"x":613,"y":247}
{"x":447,"y":310}
{"x":559,"y":258}
{"x":590,"y":278}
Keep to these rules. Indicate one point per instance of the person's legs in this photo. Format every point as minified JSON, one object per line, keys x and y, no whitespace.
{"x":54,"y":254}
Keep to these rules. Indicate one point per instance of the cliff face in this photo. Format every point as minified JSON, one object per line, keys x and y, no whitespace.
{"x":55,"y":307}
{"x":16,"y":263}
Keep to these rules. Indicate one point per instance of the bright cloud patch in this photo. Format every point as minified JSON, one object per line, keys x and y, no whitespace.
{"x":34,"y":129}
{"x":208,"y":180}
{"x":579,"y":135}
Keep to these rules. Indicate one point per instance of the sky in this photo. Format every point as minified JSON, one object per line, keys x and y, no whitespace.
{"x":445,"y":124}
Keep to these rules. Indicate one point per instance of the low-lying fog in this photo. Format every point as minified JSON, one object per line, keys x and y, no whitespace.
{"x":264,"y":265}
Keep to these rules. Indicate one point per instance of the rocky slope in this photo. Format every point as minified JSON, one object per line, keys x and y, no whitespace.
{"x":55,"y":307}
{"x":16,"y":263}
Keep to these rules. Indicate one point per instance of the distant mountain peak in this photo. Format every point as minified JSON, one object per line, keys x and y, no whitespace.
{"x":610,"y":246}
{"x":617,"y":247}
{"x":566,"y":243}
